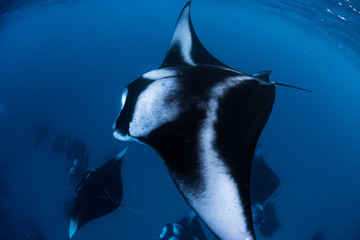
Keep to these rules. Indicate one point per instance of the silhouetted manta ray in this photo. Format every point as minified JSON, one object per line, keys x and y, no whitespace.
{"x":99,"y":192}
{"x":264,"y":183}
{"x":264,"y":180}
{"x":204,"y":119}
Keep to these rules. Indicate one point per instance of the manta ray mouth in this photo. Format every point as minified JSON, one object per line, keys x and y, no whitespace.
{"x":119,"y":135}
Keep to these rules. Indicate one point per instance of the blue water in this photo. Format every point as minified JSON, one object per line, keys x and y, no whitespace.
{"x":65,"y":63}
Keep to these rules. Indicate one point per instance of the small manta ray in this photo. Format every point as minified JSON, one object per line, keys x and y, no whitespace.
{"x":264,"y":183}
{"x":264,"y":180}
{"x":98,"y":193}
{"x":188,"y":228}
{"x":204,"y":119}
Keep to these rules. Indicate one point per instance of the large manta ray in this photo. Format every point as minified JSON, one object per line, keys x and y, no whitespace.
{"x":204,"y":119}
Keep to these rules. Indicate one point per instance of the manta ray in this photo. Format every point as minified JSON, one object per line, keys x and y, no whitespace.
{"x":264,"y":180}
{"x":204,"y":119}
{"x":99,"y":192}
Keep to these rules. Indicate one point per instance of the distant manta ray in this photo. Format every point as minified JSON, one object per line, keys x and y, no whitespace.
{"x":204,"y":119}
{"x":99,"y":192}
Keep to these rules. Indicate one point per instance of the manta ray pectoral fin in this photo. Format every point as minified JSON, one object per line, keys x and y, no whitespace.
{"x":116,"y":160}
{"x":120,"y":155}
{"x":185,"y":48}
{"x":263,"y":75}
{"x":73,"y":227}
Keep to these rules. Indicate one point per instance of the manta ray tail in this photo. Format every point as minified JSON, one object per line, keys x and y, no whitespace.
{"x":286,"y":85}
{"x":264,"y":75}
{"x":130,"y":209}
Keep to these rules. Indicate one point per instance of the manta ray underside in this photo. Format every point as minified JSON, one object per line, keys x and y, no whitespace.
{"x":204,"y":119}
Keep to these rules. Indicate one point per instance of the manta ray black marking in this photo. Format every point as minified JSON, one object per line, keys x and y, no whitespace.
{"x":204,"y":119}
{"x":98,"y":193}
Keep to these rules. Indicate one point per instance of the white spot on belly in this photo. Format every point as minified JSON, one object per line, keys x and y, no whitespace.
{"x":160,"y":74}
{"x":154,"y":107}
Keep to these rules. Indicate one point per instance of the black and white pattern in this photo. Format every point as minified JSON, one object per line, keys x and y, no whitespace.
{"x":204,"y":119}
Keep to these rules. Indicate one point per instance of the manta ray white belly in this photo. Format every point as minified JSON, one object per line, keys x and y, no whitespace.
{"x":204,"y":119}
{"x":221,"y":193}
{"x":220,"y":206}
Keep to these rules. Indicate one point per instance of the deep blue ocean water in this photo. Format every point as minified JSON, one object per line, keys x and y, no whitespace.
{"x":64,"y":64}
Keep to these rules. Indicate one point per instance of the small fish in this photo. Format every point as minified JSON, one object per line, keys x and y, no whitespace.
{"x":188,"y":228}
{"x":99,"y":192}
